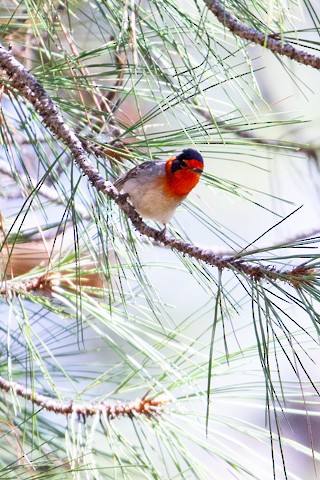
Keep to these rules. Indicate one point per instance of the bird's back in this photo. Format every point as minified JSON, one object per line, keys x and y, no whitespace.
{"x":141,"y":174}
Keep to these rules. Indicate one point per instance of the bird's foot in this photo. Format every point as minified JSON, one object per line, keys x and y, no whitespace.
{"x":124,"y":196}
{"x":162,"y":234}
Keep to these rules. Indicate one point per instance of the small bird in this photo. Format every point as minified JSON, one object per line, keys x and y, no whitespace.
{"x":156,"y":188}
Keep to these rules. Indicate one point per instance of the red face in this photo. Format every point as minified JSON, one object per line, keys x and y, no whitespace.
{"x":183,"y":173}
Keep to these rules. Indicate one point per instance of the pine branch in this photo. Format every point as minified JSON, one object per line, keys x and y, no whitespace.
{"x":30,"y":88}
{"x":149,"y":407}
{"x":271,"y":42}
{"x":310,"y":152}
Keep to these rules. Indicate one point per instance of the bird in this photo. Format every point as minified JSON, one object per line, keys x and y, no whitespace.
{"x":156,"y":188}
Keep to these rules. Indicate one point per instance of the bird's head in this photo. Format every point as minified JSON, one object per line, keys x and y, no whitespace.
{"x":189,"y":159}
{"x":183,"y":171}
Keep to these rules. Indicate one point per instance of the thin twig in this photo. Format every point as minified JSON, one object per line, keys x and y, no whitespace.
{"x":149,"y":407}
{"x":312,"y":233}
{"x":310,"y":151}
{"x":120,"y":64}
{"x":30,"y":88}
{"x":271,"y":42}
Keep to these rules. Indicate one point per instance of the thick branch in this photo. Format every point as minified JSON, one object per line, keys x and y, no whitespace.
{"x":144,"y":406}
{"x":270,"y":42}
{"x":31,"y":89}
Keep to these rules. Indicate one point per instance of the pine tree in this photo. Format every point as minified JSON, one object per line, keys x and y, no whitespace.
{"x":130,"y":351}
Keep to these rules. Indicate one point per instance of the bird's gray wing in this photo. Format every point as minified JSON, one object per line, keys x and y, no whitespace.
{"x":144,"y":168}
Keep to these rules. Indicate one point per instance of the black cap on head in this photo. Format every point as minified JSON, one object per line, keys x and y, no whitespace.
{"x":189,"y":154}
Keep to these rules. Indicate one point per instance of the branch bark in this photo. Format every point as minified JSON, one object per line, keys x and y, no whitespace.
{"x":144,"y":406}
{"x":270,"y":42}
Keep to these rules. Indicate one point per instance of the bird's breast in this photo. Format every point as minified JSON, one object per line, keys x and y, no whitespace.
{"x":151,"y":200}
{"x":180,"y":183}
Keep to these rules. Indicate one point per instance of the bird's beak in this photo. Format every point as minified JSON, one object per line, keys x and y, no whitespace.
{"x":196,"y":170}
